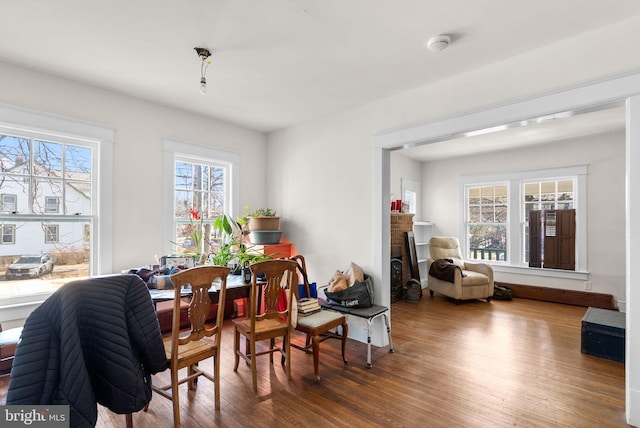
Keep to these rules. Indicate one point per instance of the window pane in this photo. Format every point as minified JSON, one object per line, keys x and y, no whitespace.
{"x":77,"y":198}
{"x":501,"y":213}
{"x":182,"y":203}
{"x":198,"y":176}
{"x":15,"y":191}
{"x":47,"y":159}
{"x":474,"y":214}
{"x":15,"y":154}
{"x":45,"y":189}
{"x":184,"y":176}
{"x":487,"y":214}
{"x":501,"y":196}
{"x":565,"y":186}
{"x":531,"y":192}
{"x":474,"y":196}
{"x":487,"y":242}
{"x":77,"y":162}
{"x":217,"y":179}
{"x":217,"y":204}
{"x":487,"y":195}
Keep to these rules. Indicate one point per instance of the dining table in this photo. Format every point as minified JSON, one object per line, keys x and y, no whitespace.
{"x":237,"y":288}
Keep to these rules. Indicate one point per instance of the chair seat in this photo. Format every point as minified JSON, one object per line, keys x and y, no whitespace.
{"x":189,"y":350}
{"x":267,"y":325}
{"x":320,"y":319}
{"x":472,"y":278}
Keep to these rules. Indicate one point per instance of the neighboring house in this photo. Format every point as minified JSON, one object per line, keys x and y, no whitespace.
{"x":45,"y":231}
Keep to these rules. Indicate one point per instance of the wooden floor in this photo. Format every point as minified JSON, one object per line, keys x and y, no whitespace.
{"x":477,"y":364}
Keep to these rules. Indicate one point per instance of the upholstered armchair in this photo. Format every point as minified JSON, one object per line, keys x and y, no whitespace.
{"x":470,"y":280}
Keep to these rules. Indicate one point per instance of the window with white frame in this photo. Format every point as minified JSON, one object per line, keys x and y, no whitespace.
{"x":200,"y":196}
{"x":9,"y":203}
{"x":487,"y":221}
{"x":51,"y":233}
{"x":8,"y":234}
{"x":497,"y":211}
{"x":45,"y":179}
{"x":51,"y":204}
{"x":548,"y":194}
{"x":201,"y":183}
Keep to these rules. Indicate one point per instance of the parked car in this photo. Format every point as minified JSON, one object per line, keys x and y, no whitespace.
{"x":29,"y":266}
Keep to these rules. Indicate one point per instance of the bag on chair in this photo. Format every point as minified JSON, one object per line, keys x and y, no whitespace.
{"x":359,"y":295}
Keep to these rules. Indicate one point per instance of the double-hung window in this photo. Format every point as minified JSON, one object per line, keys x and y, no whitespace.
{"x":8,"y":234}
{"x":51,"y":233}
{"x":201,"y":194}
{"x":9,"y":203}
{"x":48,"y":188}
{"x":499,"y":210}
{"x":202,"y":183}
{"x":487,"y":221}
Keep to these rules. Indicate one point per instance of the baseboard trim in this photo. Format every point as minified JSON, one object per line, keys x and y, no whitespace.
{"x":556,"y":295}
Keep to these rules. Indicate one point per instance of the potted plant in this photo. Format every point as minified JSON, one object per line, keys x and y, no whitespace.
{"x":263,"y":219}
{"x":230,"y":247}
{"x":228,"y":238}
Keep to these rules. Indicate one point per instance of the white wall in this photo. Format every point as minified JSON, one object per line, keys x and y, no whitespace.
{"x":605,"y":157}
{"x":139,"y":128}
{"x":403,"y":168}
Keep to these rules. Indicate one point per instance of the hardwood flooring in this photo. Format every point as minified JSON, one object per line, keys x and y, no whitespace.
{"x":478,"y":364}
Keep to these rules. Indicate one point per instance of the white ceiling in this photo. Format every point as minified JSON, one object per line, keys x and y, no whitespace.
{"x":277,"y":63}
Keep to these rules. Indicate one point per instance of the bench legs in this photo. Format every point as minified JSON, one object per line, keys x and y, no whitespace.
{"x":369,"y":322}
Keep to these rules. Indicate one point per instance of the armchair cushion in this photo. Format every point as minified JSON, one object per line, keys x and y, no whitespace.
{"x":446,"y":248}
{"x":473,"y":278}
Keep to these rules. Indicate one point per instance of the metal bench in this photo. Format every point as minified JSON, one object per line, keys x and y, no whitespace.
{"x":369,"y":314}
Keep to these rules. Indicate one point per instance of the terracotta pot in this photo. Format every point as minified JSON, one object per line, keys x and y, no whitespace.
{"x":264,"y":223}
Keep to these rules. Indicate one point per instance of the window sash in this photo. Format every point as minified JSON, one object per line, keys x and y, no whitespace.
{"x":9,"y":202}
{"x":8,"y":234}
{"x":51,"y":233}
{"x":51,"y":204}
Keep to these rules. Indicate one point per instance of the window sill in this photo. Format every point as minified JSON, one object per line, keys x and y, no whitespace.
{"x":549,"y":273}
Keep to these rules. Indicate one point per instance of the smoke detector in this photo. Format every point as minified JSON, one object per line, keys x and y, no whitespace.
{"x":438,"y":43}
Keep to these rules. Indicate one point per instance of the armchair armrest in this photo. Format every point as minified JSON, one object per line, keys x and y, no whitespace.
{"x":429,"y":261}
{"x":482,"y":268}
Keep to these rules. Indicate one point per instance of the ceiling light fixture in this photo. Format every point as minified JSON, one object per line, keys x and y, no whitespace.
{"x":438,"y":43}
{"x":203,"y":53}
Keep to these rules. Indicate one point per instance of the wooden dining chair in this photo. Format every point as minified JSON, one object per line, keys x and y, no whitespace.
{"x":318,"y":326}
{"x":185,"y":349}
{"x":270,"y":321}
